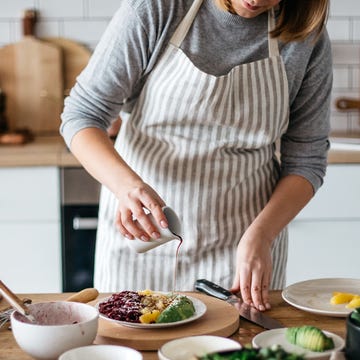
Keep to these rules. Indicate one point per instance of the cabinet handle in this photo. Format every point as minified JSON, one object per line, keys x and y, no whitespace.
{"x":85,"y":223}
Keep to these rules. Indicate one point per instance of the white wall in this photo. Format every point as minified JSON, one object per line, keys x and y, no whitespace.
{"x":80,"y":20}
{"x":344,"y":31}
{"x":85,"y":21}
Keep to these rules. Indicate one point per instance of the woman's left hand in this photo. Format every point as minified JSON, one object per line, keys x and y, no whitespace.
{"x":253,"y":270}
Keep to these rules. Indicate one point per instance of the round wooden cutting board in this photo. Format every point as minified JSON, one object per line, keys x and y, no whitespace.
{"x":220,"y":319}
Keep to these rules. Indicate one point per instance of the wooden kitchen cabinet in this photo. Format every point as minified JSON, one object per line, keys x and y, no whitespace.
{"x":30,"y":230}
{"x":324,"y":239}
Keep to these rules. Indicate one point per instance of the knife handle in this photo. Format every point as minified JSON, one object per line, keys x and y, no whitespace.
{"x":212,"y":289}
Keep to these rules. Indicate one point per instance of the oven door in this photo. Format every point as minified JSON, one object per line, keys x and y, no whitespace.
{"x":78,"y":246}
{"x":79,"y":211}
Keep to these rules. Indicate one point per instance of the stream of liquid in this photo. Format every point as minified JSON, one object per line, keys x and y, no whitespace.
{"x":176,"y":261}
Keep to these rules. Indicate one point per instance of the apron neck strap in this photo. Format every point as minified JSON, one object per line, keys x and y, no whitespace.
{"x":273,"y":43}
{"x":184,"y":26}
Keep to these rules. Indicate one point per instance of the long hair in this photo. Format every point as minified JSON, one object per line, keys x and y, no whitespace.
{"x":297,"y":19}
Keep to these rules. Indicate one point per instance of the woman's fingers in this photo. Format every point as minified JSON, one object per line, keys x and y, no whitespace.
{"x":254,"y":289}
{"x":133,"y":220}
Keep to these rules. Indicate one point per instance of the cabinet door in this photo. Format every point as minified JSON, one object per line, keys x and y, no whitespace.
{"x":29,"y":194}
{"x":31,"y":260}
{"x":30,"y":239}
{"x":319,"y":249}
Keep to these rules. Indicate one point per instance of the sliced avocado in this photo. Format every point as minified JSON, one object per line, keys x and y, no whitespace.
{"x":309,"y":337}
{"x":181,"y":308}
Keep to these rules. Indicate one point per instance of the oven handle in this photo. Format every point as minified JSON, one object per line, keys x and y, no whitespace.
{"x":85,"y":223}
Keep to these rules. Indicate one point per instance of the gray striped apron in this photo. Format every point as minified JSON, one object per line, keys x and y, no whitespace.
{"x":206,"y":144}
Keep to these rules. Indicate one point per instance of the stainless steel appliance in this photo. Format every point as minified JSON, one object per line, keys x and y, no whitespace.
{"x":79,"y":210}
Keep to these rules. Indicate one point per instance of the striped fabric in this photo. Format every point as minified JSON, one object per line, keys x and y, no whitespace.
{"x":206,"y":145}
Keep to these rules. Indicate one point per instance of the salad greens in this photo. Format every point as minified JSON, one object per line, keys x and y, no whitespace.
{"x":275,"y":352}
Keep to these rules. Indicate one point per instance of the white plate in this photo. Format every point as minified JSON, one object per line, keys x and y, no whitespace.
{"x":277,"y":337}
{"x":314,"y":295}
{"x":200,"y":309}
{"x":187,"y":347}
{"x":101,"y":352}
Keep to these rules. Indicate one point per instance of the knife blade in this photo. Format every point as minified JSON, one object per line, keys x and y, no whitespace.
{"x":246,"y":311}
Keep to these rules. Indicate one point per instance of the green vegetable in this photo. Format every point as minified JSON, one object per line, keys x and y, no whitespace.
{"x":309,"y":337}
{"x":355,"y":315}
{"x":275,"y":352}
{"x":180,"y":309}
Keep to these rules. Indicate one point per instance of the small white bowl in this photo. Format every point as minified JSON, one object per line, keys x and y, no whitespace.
{"x":188,"y":347}
{"x":60,"y":326}
{"x":278,"y":336}
{"x":101,"y":352}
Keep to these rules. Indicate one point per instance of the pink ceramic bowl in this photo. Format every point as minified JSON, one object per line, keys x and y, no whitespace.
{"x":60,"y":326}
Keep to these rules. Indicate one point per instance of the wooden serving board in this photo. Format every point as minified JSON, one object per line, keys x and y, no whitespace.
{"x":220,"y":319}
{"x":31,"y":77}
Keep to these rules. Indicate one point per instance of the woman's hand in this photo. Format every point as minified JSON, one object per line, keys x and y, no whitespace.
{"x":103,"y":162}
{"x":133,"y":198}
{"x":253,"y":270}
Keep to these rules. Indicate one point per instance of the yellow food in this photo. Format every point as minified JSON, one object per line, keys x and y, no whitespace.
{"x":146,"y":292}
{"x":354,"y":303}
{"x":149,"y":317}
{"x":341,"y":298}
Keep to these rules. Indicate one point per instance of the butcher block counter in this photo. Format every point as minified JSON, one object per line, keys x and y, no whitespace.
{"x":51,"y":151}
{"x":281,"y":311}
{"x":42,"y":151}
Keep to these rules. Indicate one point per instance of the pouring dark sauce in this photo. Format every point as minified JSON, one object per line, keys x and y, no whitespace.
{"x":176,"y":260}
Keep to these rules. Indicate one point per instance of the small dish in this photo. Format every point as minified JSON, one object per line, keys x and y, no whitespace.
{"x":101,"y":352}
{"x":200,"y":310}
{"x":188,"y":347}
{"x":277,"y":337}
{"x":314,"y":295}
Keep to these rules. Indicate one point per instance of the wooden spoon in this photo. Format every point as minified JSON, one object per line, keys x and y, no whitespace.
{"x":16,"y":302}
{"x":83,"y":296}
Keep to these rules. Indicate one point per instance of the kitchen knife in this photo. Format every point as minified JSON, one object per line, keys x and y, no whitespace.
{"x":246,"y":311}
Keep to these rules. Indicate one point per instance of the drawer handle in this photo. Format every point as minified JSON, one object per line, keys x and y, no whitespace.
{"x":85,"y":223}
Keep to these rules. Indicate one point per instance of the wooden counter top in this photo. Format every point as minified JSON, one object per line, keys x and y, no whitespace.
{"x":285,"y":313}
{"x":43,"y":151}
{"x":52,"y":151}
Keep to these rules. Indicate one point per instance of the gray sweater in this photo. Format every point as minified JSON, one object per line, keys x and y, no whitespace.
{"x":216,"y":42}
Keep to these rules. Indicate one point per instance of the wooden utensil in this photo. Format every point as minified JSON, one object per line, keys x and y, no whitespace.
{"x":15,"y":302}
{"x":31,"y":77}
{"x":83,"y":296}
{"x":16,"y":137}
{"x":347,"y":104}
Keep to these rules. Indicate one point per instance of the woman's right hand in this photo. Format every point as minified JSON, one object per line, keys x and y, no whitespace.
{"x":133,"y":199}
{"x":104,"y":163}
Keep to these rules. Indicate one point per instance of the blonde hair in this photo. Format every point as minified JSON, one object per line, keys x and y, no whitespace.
{"x":297,"y":19}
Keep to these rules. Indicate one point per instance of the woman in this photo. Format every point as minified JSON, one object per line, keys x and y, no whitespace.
{"x":205,"y":93}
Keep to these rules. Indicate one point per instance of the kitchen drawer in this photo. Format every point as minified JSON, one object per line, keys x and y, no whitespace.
{"x":31,"y":257}
{"x":339,"y":197}
{"x":29,"y":194}
{"x":320,"y":249}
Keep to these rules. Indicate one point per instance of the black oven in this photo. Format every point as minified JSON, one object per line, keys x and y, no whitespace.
{"x":79,"y":210}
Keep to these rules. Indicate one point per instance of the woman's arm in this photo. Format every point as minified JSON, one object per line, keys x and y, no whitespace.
{"x":102,"y":161}
{"x":254,"y":265}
